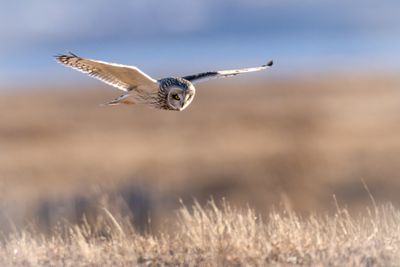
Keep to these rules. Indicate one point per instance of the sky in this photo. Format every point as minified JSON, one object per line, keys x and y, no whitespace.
{"x":181,"y":37}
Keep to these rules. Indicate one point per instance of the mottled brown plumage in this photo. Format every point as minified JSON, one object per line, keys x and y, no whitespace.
{"x":172,"y":93}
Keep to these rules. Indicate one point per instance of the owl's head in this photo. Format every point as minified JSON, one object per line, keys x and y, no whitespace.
{"x":179,"y":98}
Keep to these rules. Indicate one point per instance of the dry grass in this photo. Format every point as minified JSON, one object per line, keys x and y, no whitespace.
{"x":217,"y":236}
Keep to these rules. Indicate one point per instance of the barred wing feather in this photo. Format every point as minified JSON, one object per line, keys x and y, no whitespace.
{"x":204,"y":76}
{"x":123,"y":77}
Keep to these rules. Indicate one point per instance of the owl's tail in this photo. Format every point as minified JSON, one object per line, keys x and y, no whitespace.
{"x":122,"y":99}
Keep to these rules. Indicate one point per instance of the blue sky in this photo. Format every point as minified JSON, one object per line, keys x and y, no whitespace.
{"x":180,"y":37}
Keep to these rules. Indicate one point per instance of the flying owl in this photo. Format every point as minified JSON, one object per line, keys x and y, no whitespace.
{"x":173,"y":93}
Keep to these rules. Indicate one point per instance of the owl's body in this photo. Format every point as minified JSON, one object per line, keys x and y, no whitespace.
{"x":173,"y":93}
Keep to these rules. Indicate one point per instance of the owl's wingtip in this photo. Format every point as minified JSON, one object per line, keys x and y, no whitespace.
{"x":69,"y":54}
{"x":269,"y":64}
{"x":58,"y":57}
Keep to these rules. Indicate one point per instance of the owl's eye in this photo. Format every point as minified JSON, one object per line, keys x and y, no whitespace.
{"x":176,"y":97}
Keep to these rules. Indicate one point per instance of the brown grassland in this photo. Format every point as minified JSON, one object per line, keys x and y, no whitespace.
{"x":291,"y":144}
{"x":212,"y":236}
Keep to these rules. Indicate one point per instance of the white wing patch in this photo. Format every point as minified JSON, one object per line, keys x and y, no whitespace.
{"x":123,"y":77}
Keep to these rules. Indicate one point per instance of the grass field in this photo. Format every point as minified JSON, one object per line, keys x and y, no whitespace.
{"x":217,"y":236}
{"x":297,"y":142}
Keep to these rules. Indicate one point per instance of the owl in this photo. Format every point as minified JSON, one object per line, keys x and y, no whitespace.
{"x":172,"y":93}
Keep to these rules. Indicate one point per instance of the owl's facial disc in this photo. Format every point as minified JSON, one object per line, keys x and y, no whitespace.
{"x":179,"y":99}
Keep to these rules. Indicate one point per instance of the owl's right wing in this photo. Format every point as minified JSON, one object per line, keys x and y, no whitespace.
{"x":123,"y":77}
{"x":204,"y":76}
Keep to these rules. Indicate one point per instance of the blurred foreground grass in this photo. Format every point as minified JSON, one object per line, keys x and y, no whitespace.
{"x":216,"y":236}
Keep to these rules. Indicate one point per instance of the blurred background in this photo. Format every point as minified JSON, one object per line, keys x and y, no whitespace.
{"x":323,"y":119}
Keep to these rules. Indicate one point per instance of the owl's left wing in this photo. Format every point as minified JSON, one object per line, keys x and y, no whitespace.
{"x":204,"y":76}
{"x":123,"y":77}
